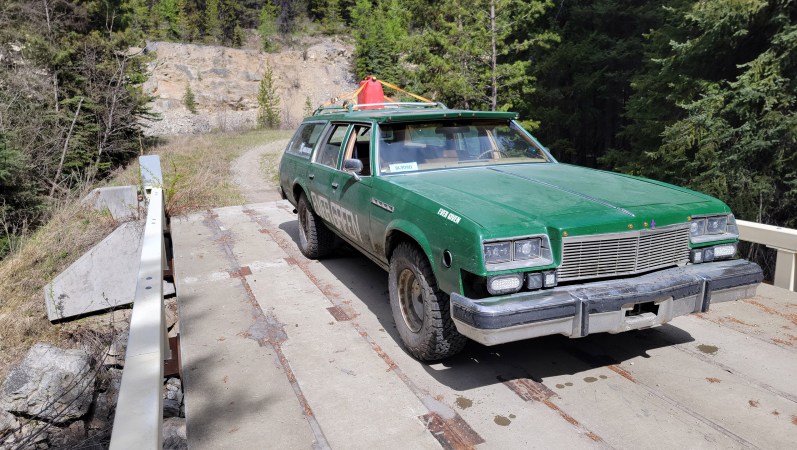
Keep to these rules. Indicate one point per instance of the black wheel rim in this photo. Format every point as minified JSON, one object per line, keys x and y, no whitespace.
{"x":410,"y":300}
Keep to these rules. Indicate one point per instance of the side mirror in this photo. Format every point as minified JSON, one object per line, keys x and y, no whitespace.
{"x":354,"y":167}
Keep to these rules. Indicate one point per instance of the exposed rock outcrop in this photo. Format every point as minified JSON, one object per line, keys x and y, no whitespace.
{"x":51,"y":384}
{"x":225,"y":82}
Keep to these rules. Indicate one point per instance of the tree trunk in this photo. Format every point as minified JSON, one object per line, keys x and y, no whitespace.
{"x":494,"y":62}
{"x":66,"y":146}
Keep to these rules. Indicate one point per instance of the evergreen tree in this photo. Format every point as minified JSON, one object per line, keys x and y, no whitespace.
{"x":476,"y":54}
{"x":166,"y":19}
{"x":736,"y":131}
{"x":212,"y":23}
{"x":71,"y":94}
{"x":188,"y":99}
{"x":269,"y":101}
{"x":267,"y":27}
{"x":330,"y":14}
{"x":232,"y":15}
{"x":584,"y":83}
{"x":379,"y":31}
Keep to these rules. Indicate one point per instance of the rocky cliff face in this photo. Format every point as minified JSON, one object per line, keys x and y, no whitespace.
{"x":225,"y":83}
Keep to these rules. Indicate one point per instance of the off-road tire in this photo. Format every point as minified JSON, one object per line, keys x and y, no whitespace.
{"x":436,"y":336}
{"x":315,"y":239}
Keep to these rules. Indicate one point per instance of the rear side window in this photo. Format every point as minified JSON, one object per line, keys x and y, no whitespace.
{"x":305,"y":139}
{"x":329,"y":153}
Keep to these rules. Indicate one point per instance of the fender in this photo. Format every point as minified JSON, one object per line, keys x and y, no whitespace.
{"x":412,"y":231}
{"x":447,"y":280}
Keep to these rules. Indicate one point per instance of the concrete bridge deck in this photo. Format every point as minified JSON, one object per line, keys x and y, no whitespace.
{"x":282,"y":352}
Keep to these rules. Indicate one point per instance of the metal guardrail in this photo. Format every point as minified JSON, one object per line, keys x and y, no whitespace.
{"x":784,"y":240}
{"x":139,"y":409}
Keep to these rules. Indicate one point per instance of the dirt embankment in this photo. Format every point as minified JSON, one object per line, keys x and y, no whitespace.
{"x":225,"y":82}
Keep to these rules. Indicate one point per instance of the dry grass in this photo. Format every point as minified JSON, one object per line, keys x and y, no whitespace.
{"x":197,"y":177}
{"x":196,"y":169}
{"x":71,"y":231}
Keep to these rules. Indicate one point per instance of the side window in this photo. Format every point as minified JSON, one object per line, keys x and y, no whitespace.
{"x":329,"y":153}
{"x":359,"y":147}
{"x":305,"y":139}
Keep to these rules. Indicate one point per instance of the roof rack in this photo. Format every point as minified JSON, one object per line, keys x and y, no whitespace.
{"x":372,"y":106}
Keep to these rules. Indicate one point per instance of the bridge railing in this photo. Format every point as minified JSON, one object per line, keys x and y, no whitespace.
{"x":783,"y":240}
{"x":139,"y":410}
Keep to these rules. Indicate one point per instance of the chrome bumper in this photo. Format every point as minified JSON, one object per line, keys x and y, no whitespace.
{"x":605,"y":306}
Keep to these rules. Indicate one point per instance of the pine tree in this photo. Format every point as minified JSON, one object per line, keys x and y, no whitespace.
{"x":331,"y":16}
{"x":379,"y":30}
{"x":735,"y":130}
{"x":211,"y":22}
{"x":267,"y":28}
{"x":269,"y":101}
{"x":166,"y":19}
{"x":188,"y":99}
{"x":308,"y":107}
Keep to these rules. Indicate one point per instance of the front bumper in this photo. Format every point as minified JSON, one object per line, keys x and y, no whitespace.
{"x":605,"y":306}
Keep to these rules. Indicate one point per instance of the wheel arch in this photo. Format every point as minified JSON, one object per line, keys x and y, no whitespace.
{"x":403,"y":231}
{"x":297,"y":192}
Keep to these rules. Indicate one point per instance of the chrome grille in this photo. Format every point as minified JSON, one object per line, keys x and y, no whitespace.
{"x":623,"y":253}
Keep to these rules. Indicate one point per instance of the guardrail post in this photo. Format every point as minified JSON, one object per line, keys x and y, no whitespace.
{"x":785,"y":269}
{"x":783,"y":240}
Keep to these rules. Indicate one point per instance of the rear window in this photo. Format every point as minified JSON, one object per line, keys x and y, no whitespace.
{"x":305,"y":139}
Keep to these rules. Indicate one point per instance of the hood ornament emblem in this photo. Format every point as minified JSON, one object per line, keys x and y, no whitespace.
{"x":652,"y":224}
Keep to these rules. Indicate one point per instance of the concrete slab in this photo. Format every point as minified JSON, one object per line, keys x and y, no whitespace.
{"x":103,"y":278}
{"x":704,"y":381}
{"x":236,"y":393}
{"x":121,"y":201}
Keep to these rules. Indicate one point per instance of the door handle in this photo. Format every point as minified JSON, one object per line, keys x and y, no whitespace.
{"x":334,"y":185}
{"x":311,"y":176}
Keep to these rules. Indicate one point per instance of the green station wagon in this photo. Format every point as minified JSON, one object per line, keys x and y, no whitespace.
{"x":486,"y":236}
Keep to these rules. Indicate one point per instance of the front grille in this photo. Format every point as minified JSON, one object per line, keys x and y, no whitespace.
{"x":623,"y":253}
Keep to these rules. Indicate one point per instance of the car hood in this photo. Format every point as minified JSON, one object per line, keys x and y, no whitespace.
{"x":549,"y":195}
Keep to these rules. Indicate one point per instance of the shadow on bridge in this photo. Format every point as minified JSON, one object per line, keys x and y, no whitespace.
{"x":478,"y":365}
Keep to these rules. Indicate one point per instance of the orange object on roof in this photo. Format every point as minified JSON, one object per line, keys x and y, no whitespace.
{"x":370,"y":92}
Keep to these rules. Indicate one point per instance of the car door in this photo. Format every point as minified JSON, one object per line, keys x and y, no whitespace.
{"x":352,"y":192}
{"x":325,"y":180}
{"x":294,"y":162}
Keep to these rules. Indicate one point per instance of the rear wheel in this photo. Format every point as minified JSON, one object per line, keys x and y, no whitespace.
{"x":420,"y":310}
{"x":315,"y":239}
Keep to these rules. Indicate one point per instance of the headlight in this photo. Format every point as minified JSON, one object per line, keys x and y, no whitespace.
{"x":713,"y":228}
{"x":716,"y":225}
{"x":517,"y":253}
{"x":527,"y":249}
{"x":497,"y":252}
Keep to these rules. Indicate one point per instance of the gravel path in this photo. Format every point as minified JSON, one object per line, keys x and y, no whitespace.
{"x":254,"y":172}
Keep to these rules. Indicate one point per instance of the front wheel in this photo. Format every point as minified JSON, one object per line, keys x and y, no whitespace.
{"x":315,"y":239}
{"x":420,"y":310}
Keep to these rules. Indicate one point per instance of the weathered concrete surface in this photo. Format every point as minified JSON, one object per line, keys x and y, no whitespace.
{"x":718,"y":380}
{"x":50,"y":384}
{"x":120,"y":201}
{"x":102,"y":278}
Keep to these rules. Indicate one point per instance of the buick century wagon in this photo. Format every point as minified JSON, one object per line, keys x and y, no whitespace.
{"x":486,"y":236}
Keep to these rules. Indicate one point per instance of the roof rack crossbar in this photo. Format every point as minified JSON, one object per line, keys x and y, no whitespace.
{"x":386,"y":105}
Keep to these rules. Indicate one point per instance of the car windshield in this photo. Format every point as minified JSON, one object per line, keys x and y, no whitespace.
{"x":411,"y":147}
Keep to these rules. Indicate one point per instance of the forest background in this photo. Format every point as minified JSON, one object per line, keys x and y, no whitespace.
{"x":697,"y":93}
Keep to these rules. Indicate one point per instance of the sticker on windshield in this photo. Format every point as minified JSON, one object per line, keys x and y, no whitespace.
{"x":404,"y":167}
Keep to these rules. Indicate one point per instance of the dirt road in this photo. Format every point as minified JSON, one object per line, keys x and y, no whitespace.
{"x":254,"y":172}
